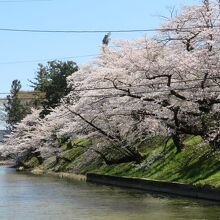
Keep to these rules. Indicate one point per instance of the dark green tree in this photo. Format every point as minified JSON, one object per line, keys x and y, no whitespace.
{"x":14,"y":108}
{"x":41,"y":79}
{"x":52,"y":80}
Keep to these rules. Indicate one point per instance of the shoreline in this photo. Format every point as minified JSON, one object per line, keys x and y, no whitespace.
{"x":61,"y":175}
{"x":6,"y":163}
{"x":68,"y":176}
{"x":164,"y":187}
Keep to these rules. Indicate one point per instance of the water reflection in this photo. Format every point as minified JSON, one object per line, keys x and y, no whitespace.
{"x":27,"y":197}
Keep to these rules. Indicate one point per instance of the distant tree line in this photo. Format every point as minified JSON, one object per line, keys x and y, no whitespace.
{"x":49,"y":85}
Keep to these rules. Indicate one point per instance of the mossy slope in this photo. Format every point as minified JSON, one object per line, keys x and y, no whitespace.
{"x":196,"y":164}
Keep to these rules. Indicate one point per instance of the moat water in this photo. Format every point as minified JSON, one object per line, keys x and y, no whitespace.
{"x":28,"y":197}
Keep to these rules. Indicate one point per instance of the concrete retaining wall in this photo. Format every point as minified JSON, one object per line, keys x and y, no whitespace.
{"x":156,"y":186}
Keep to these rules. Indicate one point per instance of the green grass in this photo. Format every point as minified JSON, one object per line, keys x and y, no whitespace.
{"x":196,"y":164}
{"x":73,"y":153}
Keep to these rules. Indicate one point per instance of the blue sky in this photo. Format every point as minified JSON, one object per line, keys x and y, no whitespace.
{"x":67,"y":15}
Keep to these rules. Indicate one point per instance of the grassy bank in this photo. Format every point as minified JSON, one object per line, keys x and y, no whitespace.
{"x":196,"y":164}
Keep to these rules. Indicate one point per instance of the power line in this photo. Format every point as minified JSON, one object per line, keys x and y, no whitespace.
{"x":146,"y":92}
{"x":105,"y":31}
{"x":135,"y":93}
{"x":59,"y":58}
{"x":14,"y":1}
{"x":123,"y":95}
{"x":142,"y":85}
{"x":137,"y":85}
{"x":72,"y":57}
{"x":41,"y":60}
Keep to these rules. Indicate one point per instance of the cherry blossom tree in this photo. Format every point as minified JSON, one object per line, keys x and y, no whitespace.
{"x":154,"y":79}
{"x":165,"y":85}
{"x":194,"y":37}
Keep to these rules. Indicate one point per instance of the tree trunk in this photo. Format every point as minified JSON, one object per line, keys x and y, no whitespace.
{"x":177,"y":140}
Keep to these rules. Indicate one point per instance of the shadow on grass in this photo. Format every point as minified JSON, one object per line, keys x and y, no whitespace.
{"x":201,"y":169}
{"x":160,"y":165}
